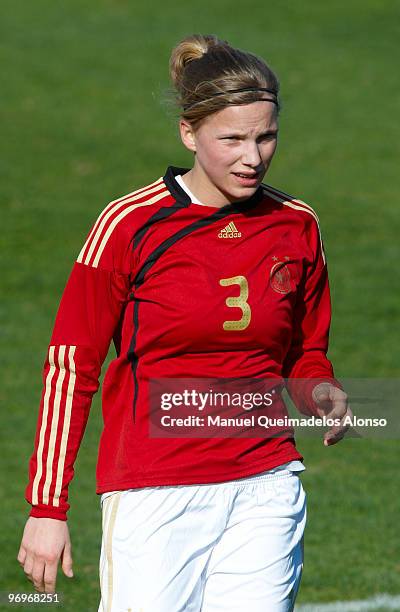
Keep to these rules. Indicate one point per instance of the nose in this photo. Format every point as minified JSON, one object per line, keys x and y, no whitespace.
{"x":251,"y":154}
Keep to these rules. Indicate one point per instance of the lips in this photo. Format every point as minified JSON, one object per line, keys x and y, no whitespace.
{"x":246,"y":180}
{"x":246,"y":175}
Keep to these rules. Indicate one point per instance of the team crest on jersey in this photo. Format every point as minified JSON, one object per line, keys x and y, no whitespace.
{"x":230,"y":231}
{"x":280,"y":275}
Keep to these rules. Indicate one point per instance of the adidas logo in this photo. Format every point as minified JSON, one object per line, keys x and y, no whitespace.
{"x":230,"y":231}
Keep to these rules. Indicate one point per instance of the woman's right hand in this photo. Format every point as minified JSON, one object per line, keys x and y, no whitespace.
{"x":45,"y":541}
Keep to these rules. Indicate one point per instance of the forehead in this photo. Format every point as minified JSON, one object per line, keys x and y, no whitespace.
{"x":257,"y":115}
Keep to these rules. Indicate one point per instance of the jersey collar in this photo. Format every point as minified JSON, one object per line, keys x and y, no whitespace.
{"x":183,"y":199}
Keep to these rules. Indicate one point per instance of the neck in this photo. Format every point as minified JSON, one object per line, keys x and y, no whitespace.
{"x":200,"y":185}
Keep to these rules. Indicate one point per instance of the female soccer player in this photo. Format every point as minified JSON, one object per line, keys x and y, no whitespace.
{"x":206,"y":274}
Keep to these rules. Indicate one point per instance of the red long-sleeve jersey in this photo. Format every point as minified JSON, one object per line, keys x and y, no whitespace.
{"x":184,"y":290}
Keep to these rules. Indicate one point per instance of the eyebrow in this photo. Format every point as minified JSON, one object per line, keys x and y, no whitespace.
{"x":271,"y":132}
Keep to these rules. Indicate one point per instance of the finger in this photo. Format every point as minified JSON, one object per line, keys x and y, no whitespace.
{"x":331,"y":400}
{"x":339,"y":411}
{"x":333,"y":439}
{"x":337,"y":432}
{"x":321,"y":392}
{"x":21,"y":556}
{"x":66,"y":561}
{"x":50,"y":577}
{"x":38,"y":574}
{"x":28,"y":565}
{"x":339,"y":429}
{"x":339,"y":403}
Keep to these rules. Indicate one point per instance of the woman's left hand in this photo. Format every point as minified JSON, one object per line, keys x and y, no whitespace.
{"x":332,"y":403}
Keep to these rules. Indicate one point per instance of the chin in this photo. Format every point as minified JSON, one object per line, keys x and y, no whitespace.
{"x":245,"y":192}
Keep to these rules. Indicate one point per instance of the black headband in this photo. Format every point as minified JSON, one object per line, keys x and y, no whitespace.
{"x":223,"y":93}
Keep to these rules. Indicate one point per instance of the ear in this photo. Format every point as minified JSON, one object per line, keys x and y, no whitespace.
{"x":187,"y":135}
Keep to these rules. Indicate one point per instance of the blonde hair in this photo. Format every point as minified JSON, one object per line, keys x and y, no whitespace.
{"x":204,"y":70}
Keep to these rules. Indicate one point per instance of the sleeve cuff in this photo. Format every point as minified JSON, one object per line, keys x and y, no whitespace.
{"x":48,"y":512}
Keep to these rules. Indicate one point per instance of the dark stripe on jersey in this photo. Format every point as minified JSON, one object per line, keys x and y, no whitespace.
{"x":132,"y":356}
{"x":161,"y":214}
{"x":222,"y":212}
{"x":182,"y":200}
{"x":278,"y":191}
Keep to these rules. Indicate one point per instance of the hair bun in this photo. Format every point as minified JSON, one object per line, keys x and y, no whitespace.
{"x":222,"y":76}
{"x":190,"y":48}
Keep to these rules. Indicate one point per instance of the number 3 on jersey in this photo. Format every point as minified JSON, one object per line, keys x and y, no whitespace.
{"x":239,"y":301}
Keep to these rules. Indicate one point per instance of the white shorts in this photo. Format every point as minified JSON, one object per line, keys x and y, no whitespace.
{"x":235,"y":546}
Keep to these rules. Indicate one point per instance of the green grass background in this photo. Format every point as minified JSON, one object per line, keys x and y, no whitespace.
{"x":83,"y":121}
